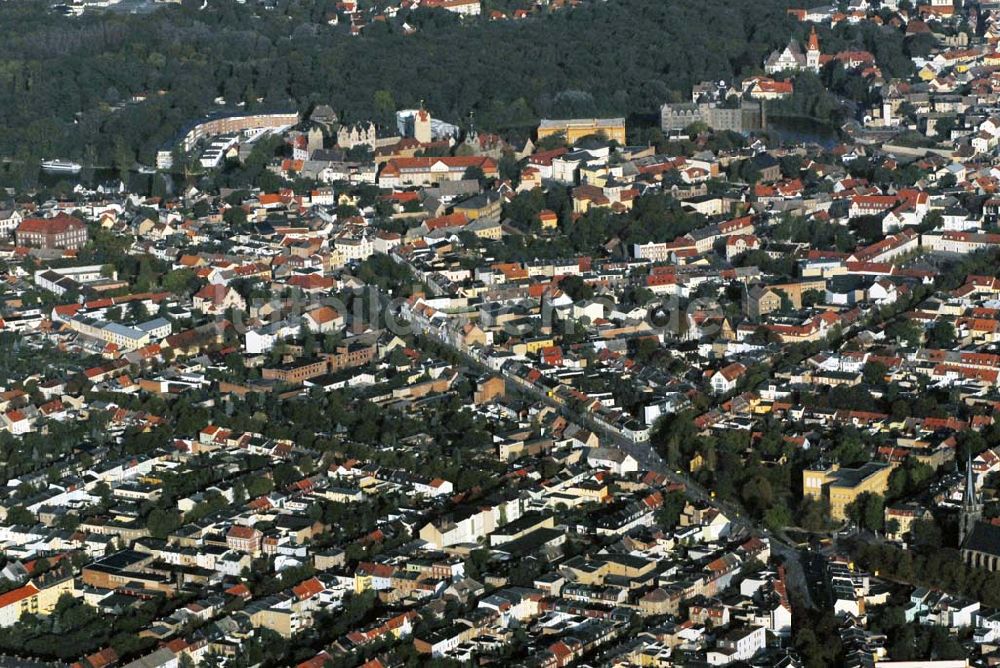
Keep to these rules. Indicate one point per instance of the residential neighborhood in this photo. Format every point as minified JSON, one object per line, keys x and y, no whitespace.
{"x":709,"y":384}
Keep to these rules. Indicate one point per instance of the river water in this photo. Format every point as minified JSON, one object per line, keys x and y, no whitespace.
{"x":794,"y":130}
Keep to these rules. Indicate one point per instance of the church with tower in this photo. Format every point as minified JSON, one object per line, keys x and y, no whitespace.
{"x":794,"y":59}
{"x":979,"y":540}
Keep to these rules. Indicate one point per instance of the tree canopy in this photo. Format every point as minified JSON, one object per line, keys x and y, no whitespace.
{"x":109,"y":88}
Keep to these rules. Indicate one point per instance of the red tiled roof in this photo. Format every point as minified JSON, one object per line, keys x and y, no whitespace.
{"x":15,"y":595}
{"x":55,"y":225}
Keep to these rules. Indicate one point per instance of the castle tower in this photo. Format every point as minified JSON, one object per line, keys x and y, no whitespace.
{"x":315,"y":139}
{"x":972,"y":507}
{"x":422,"y":126}
{"x":812,"y":51}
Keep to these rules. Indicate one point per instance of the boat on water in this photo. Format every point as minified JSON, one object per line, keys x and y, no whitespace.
{"x":61,"y":166}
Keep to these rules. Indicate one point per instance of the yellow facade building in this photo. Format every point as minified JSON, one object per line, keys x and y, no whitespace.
{"x":37,"y":597}
{"x":533,"y":345}
{"x":842,"y":486}
{"x":575,"y":129}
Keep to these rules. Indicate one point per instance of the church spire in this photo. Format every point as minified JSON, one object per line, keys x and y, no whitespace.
{"x":813,"y":40}
{"x":972,"y":507}
{"x":969,"y":498}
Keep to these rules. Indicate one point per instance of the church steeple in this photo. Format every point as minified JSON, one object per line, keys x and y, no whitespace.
{"x":813,"y":40}
{"x":813,"y":52}
{"x":972,"y":507}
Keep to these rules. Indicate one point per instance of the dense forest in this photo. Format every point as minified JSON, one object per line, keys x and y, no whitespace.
{"x":68,"y":85}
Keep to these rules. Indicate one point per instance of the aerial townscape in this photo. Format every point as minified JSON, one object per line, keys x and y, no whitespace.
{"x":544,"y":333}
